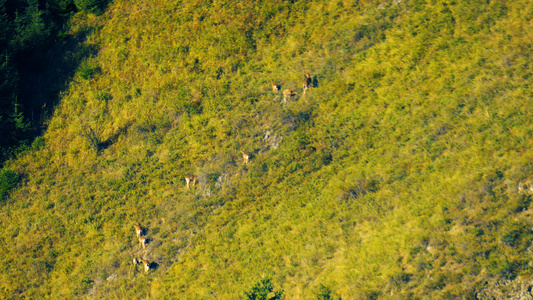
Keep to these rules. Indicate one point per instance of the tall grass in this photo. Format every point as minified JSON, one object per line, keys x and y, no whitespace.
{"x":396,"y":174}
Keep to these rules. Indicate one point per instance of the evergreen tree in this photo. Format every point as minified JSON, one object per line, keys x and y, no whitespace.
{"x":31,"y":31}
{"x":5,"y":26}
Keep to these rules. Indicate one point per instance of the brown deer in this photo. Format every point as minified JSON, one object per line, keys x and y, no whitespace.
{"x":275,"y":87}
{"x":246,"y":157}
{"x":307,"y":84}
{"x":147,"y":265}
{"x":142,"y":242}
{"x":190,"y":178}
{"x":307,"y":81}
{"x":138,"y":230}
{"x":288,"y":94}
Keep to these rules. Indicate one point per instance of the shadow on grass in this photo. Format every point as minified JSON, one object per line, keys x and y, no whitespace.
{"x":44,"y":75}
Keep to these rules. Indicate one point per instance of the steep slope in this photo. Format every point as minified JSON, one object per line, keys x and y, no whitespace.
{"x":396,"y":174}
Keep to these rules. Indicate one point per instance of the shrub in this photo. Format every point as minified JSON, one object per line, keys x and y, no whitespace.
{"x":263,"y":290}
{"x":88,"y":71}
{"x":8,"y":180}
{"x":38,"y":144}
{"x":324,"y":293}
{"x":91,"y":6}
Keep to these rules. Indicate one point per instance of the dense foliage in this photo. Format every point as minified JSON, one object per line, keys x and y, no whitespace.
{"x":8,"y":180}
{"x":395,"y":175}
{"x":34,"y":64}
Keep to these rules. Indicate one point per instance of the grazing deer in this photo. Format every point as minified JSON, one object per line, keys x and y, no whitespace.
{"x":138,"y":230}
{"x":246,"y":157}
{"x":288,"y":94}
{"x":190,"y":178}
{"x":136,"y":261}
{"x":143,"y":241}
{"x":275,"y":87}
{"x":147,"y":265}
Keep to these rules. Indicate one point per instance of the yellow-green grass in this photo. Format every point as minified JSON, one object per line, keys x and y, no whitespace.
{"x":396,"y":175}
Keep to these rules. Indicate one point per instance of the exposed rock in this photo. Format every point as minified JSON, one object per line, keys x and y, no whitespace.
{"x":272,"y":139}
{"x":112,"y":277}
{"x":518,"y":288}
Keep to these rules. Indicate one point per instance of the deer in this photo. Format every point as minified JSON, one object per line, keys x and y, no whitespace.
{"x":307,"y":81}
{"x":287,"y":94}
{"x":275,"y":87}
{"x":246,"y":157}
{"x":138,"y":230}
{"x":135,"y":263}
{"x":147,"y":265}
{"x":190,"y":178}
{"x":142,"y":242}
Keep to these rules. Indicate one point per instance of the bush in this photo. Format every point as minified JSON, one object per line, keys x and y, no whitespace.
{"x":88,"y":71}
{"x":38,"y":143}
{"x":91,"y":6}
{"x":261,"y":291}
{"x":324,"y":293}
{"x":8,"y":180}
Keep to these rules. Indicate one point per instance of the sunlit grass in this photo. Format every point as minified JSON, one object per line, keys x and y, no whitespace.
{"x":396,"y":174}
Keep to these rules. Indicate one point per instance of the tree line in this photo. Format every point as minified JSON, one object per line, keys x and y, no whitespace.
{"x":28,"y":31}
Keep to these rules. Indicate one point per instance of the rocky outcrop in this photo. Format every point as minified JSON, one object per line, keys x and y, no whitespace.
{"x":519,"y":289}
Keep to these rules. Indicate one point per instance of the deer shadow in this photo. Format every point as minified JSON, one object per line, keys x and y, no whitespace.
{"x":154,"y":265}
{"x":314,"y":82}
{"x":103,"y":145}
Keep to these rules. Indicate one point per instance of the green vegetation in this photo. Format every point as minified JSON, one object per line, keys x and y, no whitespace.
{"x":396,"y":174}
{"x":263,"y":290}
{"x":36,"y":58}
{"x":8,"y":180}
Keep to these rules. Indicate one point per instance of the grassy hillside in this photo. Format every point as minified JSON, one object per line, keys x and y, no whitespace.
{"x":396,"y":175}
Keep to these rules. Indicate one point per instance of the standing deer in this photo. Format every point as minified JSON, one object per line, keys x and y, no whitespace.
{"x":138,"y":230}
{"x":275,"y":87}
{"x":246,"y":157}
{"x":307,"y":81}
{"x":135,"y":263}
{"x":142,"y":242}
{"x":147,"y":265}
{"x":190,"y":178}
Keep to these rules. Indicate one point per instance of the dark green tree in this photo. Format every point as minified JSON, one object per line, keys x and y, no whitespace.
{"x":5,"y":26}
{"x":31,"y":31}
{"x":8,"y":125}
{"x":8,"y":180}
{"x":263,"y":290}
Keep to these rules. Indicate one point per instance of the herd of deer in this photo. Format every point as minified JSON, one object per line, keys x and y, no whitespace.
{"x":287,"y":94}
{"x":142,"y":244}
{"x":191,"y":179}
